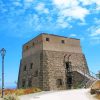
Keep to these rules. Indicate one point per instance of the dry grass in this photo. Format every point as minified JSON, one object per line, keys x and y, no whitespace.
{"x":20,"y":91}
{"x":98,"y":96}
{"x":11,"y":97}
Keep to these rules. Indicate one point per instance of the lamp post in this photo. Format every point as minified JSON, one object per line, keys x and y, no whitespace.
{"x":68,"y":72}
{"x":3,"y":52}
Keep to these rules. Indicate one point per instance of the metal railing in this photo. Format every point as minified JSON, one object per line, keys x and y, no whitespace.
{"x":91,"y":77}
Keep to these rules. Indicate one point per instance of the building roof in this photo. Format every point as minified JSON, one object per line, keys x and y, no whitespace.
{"x":50,"y":35}
{"x":59,"y":36}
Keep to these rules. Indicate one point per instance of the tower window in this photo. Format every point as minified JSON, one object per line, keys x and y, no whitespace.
{"x":59,"y":82}
{"x":33,"y":44}
{"x":30,"y":82}
{"x":62,"y":41}
{"x":47,"y":39}
{"x":36,"y":73}
{"x":31,"y":65}
{"x":25,"y":68}
{"x":27,"y":47}
{"x":23,"y":83}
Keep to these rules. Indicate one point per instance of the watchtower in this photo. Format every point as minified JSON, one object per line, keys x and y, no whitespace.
{"x":44,"y":60}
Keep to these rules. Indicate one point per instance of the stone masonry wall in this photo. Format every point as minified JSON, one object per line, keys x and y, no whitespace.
{"x":30,"y":73}
{"x":49,"y":58}
{"x":55,"y":65}
{"x":50,"y":66}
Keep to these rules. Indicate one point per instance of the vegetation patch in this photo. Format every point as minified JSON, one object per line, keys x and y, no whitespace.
{"x":19,"y":92}
{"x":98,"y":96}
{"x":11,"y":97}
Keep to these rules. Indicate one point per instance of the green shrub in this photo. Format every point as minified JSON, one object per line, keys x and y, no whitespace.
{"x":10,"y":97}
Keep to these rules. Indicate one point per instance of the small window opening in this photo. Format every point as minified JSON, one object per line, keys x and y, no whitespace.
{"x":62,"y":41}
{"x":36,"y":73}
{"x":27,"y":47}
{"x":33,"y":44}
{"x":25,"y":68}
{"x":23,"y":83}
{"x":31,"y":65}
{"x":30,"y":82}
{"x":47,"y":39}
{"x":59,"y":82}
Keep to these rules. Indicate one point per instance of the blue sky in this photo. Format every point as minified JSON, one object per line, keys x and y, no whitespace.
{"x":22,"y":20}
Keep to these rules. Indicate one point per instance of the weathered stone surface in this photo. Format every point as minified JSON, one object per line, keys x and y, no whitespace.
{"x":49,"y":59}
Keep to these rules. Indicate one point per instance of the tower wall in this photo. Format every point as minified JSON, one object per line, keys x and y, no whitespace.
{"x":55,"y":64}
{"x":55,"y":44}
{"x":48,"y":55}
{"x":30,"y":73}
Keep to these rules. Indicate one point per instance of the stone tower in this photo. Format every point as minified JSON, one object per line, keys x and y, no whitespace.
{"x":44,"y":60}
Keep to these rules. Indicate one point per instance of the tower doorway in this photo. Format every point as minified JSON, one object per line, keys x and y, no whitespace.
{"x":69,"y":74}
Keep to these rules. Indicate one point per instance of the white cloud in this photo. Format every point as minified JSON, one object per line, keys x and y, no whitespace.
{"x":61,"y":4}
{"x":58,"y":14}
{"x":97,"y":5}
{"x":95,"y":31}
{"x":28,"y":1}
{"x":75,"y":12}
{"x":61,"y":22}
{"x":86,"y":2}
{"x":17,"y":3}
{"x":72,"y":35}
{"x":82,"y":23}
{"x":95,"y":40}
{"x":91,"y":2}
{"x":71,"y":8}
{"x":2,"y":7}
{"x":41,"y":8}
{"x":97,"y":2}
{"x":94,"y":34}
{"x":34,"y":20}
{"x":97,"y":21}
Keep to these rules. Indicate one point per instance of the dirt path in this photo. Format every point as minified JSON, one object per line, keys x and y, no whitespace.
{"x":81,"y":94}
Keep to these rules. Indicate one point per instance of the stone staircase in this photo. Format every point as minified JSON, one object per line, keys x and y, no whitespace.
{"x":89,"y":83}
{"x":89,"y":77}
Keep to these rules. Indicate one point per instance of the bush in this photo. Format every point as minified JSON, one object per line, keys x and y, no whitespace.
{"x":11,"y":97}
